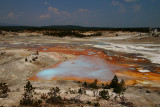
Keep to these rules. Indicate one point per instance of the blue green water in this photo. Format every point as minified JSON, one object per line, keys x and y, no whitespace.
{"x":83,"y":67}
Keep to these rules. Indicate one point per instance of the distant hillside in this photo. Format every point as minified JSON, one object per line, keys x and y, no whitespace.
{"x":4,"y":24}
{"x":14,"y":28}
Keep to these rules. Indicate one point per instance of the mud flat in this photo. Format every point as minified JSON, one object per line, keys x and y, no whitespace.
{"x":64,"y":61}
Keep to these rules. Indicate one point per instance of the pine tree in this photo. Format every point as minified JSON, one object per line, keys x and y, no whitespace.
{"x":120,"y":88}
{"x":29,"y":89}
{"x":117,"y":89}
{"x":122,"y":85}
{"x":28,"y":94}
{"x":114,"y":82}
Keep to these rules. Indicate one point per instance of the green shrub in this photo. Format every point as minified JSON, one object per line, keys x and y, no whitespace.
{"x":96,"y":104}
{"x":3,"y":88}
{"x":26,"y":59}
{"x":88,"y":102}
{"x":37,"y":53}
{"x":124,"y":101}
{"x":71,"y":91}
{"x":106,"y":86}
{"x":104,"y":94}
{"x":85,"y":84}
{"x":81,"y":91}
{"x":93,"y":84}
{"x":44,"y":96}
{"x":54,"y":96}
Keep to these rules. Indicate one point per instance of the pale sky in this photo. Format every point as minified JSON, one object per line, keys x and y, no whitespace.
{"x":100,"y":13}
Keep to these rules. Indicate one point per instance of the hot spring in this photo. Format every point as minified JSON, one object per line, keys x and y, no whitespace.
{"x":86,"y":67}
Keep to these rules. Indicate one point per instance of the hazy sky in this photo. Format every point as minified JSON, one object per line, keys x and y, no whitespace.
{"x":108,"y":13}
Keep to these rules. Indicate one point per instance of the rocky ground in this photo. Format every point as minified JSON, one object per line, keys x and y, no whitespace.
{"x":16,"y":70}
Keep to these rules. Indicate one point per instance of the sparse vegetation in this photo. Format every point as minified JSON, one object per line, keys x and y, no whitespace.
{"x":85,"y":84}
{"x":37,"y":53}
{"x":70,"y":33}
{"x":106,"y":86}
{"x":3,"y":90}
{"x":88,"y":102}
{"x":33,"y":59}
{"x":92,"y":85}
{"x":26,"y":59}
{"x":118,"y":88}
{"x":3,"y":53}
{"x":104,"y":94}
{"x":28,"y":99}
{"x":124,"y":101}
{"x":96,"y":104}
{"x":44,"y":96}
{"x":81,"y":91}
{"x":70,"y":91}
{"x":54,"y":96}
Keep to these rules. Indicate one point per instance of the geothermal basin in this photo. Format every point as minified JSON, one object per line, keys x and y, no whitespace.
{"x":90,"y":64}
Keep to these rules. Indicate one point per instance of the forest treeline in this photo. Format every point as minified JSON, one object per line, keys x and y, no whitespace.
{"x":71,"y":28}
